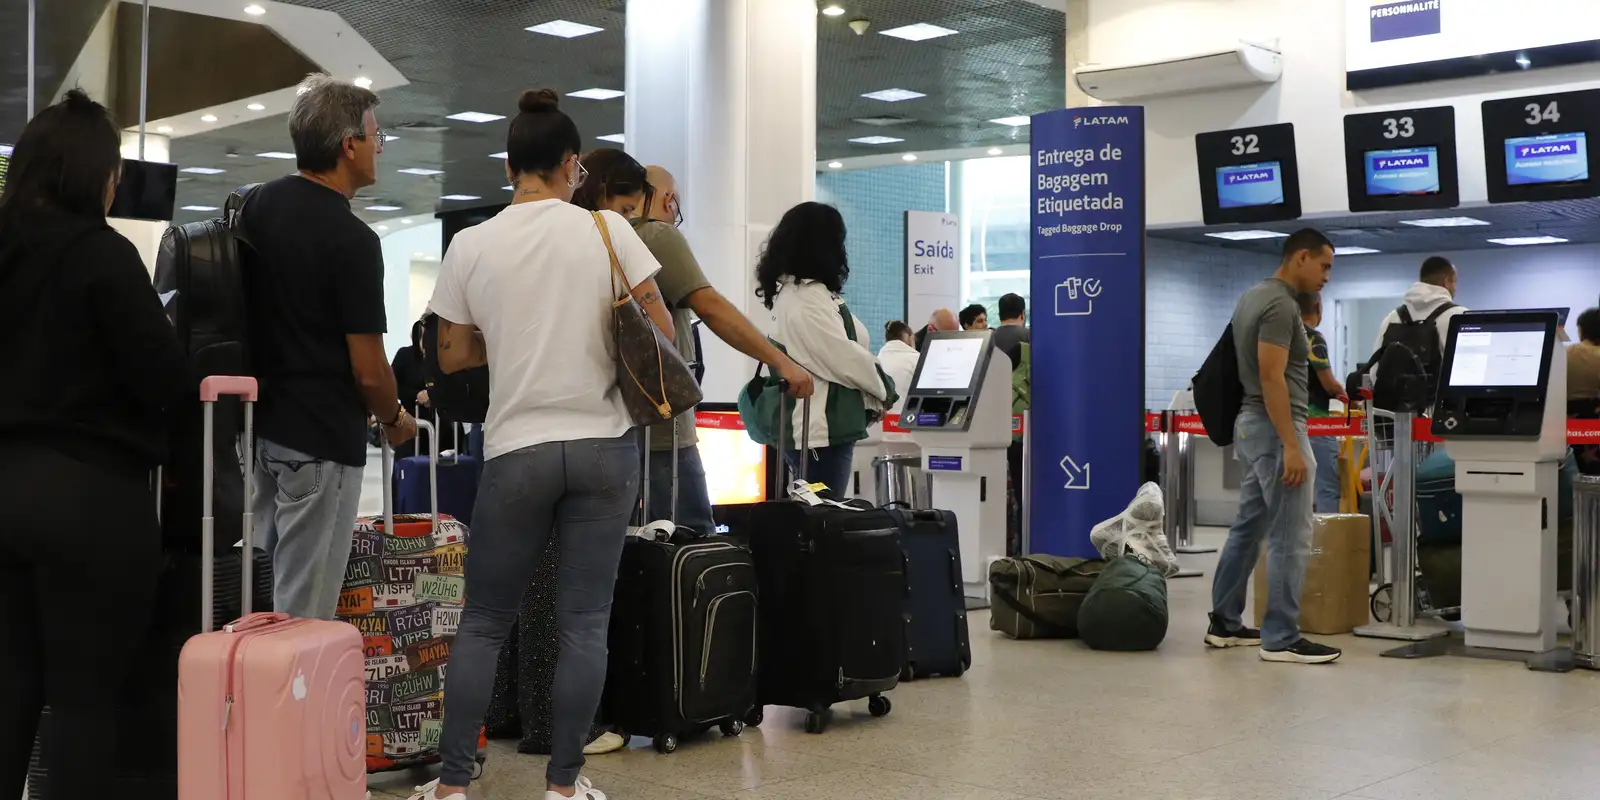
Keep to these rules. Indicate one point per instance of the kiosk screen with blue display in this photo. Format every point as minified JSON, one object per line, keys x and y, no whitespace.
{"x":1557,"y":158}
{"x":1250,"y":185}
{"x":1413,"y":170}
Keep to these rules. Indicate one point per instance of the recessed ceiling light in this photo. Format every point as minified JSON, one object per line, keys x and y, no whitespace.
{"x":383,"y":227}
{"x":164,"y":129}
{"x":389,"y":137}
{"x":612,"y":137}
{"x":833,"y":11}
{"x":1518,"y":241}
{"x":1015,"y":122}
{"x":994,"y":151}
{"x":919,"y":32}
{"x":893,"y":95}
{"x":475,"y":116}
{"x":1354,"y":251}
{"x":199,"y":208}
{"x":835,"y":165}
{"x":509,"y":188}
{"x":1245,"y":236}
{"x":256,"y":107}
{"x":876,"y":140}
{"x":461,"y":197}
{"x":500,"y":156}
{"x":909,"y":157}
{"x":203,"y":170}
{"x":1443,"y":222}
{"x":383,"y":208}
{"x":420,"y":171}
{"x":209,"y":118}
{"x":254,"y":10}
{"x":564,"y":29}
{"x":364,"y":83}
{"x":596,"y":94}
{"x":405,"y":222}
{"x":281,"y":156}
{"x":418,"y":254}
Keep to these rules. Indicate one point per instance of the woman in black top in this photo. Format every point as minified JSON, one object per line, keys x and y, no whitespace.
{"x":93,"y":369}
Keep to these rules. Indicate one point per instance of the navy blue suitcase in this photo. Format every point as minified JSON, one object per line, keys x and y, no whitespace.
{"x":937,"y":641}
{"x":456,"y":476}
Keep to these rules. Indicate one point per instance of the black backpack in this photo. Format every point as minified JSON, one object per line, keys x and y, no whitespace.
{"x":1408,"y":362}
{"x":460,"y":396}
{"x":1218,"y":392}
{"x":200,"y":277}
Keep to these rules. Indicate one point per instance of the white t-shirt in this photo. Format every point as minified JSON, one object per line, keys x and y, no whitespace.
{"x":537,"y":281}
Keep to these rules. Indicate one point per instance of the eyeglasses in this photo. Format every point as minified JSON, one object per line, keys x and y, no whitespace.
{"x":677,"y":212}
{"x":583,"y":172}
{"x":378,"y":135}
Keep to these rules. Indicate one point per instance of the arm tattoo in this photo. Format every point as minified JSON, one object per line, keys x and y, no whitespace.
{"x":444,"y":345}
{"x":649,"y":298}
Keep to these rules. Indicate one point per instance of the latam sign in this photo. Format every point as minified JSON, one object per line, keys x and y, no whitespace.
{"x":1406,"y":20}
{"x":1253,"y":176}
{"x":1400,"y":162}
{"x":1564,"y":147}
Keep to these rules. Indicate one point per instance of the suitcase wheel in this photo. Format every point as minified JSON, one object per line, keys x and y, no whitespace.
{"x":732,"y":727}
{"x":908,"y":673}
{"x":879,"y":706}
{"x":666,"y":743}
{"x":754,"y":718}
{"x":817,"y":721}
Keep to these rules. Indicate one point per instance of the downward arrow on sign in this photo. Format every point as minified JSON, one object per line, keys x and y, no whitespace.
{"x":1077,"y":477}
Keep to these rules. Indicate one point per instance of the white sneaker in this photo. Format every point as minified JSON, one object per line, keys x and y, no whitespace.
{"x":430,"y":791}
{"x":585,"y":791}
{"x":607,"y":743}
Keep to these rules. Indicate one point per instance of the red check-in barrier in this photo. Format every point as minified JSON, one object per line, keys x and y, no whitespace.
{"x":729,"y":421}
{"x":1579,"y":431}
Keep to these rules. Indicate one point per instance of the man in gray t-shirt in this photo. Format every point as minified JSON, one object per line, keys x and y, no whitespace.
{"x":1275,"y":495}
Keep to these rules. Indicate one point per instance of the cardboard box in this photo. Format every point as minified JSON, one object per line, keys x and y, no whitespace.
{"x":1334,"y":598}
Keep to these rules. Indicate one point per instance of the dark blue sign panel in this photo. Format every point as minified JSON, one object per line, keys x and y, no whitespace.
{"x":1088,"y":322}
{"x":1547,"y":159}
{"x":1411,"y":170}
{"x":1406,"y":20}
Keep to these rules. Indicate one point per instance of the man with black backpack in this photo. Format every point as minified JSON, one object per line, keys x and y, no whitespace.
{"x":1410,"y":348}
{"x":1275,"y":495}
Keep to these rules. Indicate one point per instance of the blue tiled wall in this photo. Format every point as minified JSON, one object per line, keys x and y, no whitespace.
{"x":874,"y":202}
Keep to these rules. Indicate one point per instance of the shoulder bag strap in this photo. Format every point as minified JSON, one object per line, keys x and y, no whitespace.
{"x":1053,"y":628}
{"x":618,"y":298}
{"x":1439,"y":312}
{"x":622,"y":298}
{"x":1404,"y":315}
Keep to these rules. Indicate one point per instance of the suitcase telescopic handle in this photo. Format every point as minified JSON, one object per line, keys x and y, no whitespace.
{"x":783,"y":436}
{"x":433,"y":476}
{"x":212,"y":389}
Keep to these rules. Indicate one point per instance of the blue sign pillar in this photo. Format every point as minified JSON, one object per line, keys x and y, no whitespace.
{"x":1088,"y":322}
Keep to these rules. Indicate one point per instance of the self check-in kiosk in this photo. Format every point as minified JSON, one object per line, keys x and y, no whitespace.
{"x":958,"y":410}
{"x":1501,"y":409}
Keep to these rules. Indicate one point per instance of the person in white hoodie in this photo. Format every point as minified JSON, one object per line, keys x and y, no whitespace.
{"x":802,"y":270}
{"x":899,"y":357}
{"x":1434,"y":290}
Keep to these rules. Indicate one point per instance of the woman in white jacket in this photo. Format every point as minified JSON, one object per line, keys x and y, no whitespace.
{"x":899,"y":356}
{"x":800,"y":275}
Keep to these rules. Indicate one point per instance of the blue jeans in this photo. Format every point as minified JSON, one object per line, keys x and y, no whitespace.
{"x":305,"y":513}
{"x":694,"y":499}
{"x":1326,"y":449}
{"x":830,"y":466}
{"x":1272,"y":513}
{"x":583,"y":490}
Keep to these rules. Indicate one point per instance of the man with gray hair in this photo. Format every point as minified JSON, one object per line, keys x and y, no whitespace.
{"x":315,"y":291}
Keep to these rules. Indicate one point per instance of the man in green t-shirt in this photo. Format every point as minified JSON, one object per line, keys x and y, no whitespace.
{"x":686,"y":289}
{"x":1324,"y":388}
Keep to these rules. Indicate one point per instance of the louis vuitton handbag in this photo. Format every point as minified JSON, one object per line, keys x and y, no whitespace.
{"x":656,"y":382}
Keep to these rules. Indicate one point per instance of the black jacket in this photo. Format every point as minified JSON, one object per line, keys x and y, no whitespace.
{"x":95,"y":368}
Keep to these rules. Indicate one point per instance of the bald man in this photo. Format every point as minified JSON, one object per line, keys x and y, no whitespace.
{"x":942,"y":320}
{"x":685,"y":288}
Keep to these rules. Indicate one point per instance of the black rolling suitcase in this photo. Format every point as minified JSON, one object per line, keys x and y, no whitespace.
{"x":833,"y":601}
{"x":683,"y":635}
{"x":936,"y":641}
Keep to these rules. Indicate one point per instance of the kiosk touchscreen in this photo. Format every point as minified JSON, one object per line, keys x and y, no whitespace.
{"x":1501,"y":409}
{"x":958,"y":410}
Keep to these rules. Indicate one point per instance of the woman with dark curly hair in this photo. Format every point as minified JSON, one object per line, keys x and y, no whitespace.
{"x":800,"y":276}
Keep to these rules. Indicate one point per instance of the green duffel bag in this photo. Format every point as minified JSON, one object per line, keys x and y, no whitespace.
{"x":1037,"y":597}
{"x":1126,"y":609}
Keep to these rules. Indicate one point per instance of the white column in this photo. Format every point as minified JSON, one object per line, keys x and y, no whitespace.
{"x":723,"y":94}
{"x":145,"y":234}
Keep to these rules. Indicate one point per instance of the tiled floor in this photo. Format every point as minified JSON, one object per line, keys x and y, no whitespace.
{"x":1054,"y":721}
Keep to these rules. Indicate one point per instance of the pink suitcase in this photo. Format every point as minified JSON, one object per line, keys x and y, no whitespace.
{"x":269,"y":707}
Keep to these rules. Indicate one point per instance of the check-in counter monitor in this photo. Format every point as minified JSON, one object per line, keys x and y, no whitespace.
{"x":1496,"y":375}
{"x":944,"y":392}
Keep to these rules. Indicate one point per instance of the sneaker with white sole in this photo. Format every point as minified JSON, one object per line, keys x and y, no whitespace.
{"x":585,"y":791}
{"x":430,"y":791}
{"x":607,"y":742}
{"x":1220,"y":636}
{"x":1304,"y":651}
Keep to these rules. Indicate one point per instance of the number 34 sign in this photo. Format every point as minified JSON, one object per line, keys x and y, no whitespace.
{"x":1537,"y":148}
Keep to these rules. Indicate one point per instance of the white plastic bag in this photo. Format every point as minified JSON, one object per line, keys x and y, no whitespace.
{"x":1137,"y":531}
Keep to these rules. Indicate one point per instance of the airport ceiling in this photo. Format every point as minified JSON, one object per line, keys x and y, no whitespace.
{"x":1576,"y":221}
{"x":1008,"y":58}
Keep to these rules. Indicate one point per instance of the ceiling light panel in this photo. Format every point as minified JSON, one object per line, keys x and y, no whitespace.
{"x":278,"y":154}
{"x":1523,"y":241}
{"x":203,"y":170}
{"x":1354,"y":251}
{"x":1443,"y":222}
{"x":876,"y":140}
{"x":1015,"y":122}
{"x":596,"y":94}
{"x":500,"y":156}
{"x":612,"y":137}
{"x":454,"y":197}
{"x":893,"y":95}
{"x":564,"y":29}
{"x":199,"y":208}
{"x":1246,"y":236}
{"x":919,"y":32}
{"x":420,"y":171}
{"x":383,"y":208}
{"x":475,"y":116}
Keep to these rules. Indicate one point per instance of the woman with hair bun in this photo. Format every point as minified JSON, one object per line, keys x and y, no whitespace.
{"x":529,"y":293}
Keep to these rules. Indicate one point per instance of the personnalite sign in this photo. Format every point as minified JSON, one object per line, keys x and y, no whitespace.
{"x":933,"y":265}
{"x":1088,"y":217}
{"x":1393,"y":42}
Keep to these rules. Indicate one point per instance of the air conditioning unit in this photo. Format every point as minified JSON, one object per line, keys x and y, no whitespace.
{"x":1249,"y":64}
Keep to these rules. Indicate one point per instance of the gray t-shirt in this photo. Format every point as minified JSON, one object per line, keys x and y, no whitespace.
{"x":1269,"y":313}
